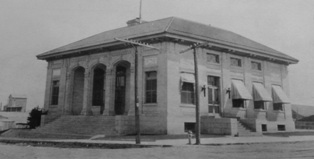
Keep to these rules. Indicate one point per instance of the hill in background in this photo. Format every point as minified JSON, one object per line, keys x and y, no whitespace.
{"x":302,"y":112}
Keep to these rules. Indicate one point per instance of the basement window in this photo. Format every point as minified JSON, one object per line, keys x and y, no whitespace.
{"x":281,"y":127}
{"x":264,"y":127}
{"x":189,"y":126}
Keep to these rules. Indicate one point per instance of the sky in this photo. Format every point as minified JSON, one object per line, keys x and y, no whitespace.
{"x":31,"y":27}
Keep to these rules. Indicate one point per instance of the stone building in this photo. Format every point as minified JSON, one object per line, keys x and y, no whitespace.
{"x":16,"y":103}
{"x":90,"y":83}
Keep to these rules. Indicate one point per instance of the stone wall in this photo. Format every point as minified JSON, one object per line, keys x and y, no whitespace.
{"x":271,"y":74}
{"x":271,"y":126}
{"x":219,"y":126}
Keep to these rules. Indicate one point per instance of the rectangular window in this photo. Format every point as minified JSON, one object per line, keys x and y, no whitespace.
{"x":187,"y":93}
{"x":238,"y":103}
{"x":278,"y":106}
{"x":189,"y":127}
{"x":264,"y":127}
{"x":259,"y":105}
{"x":235,"y":62}
{"x":55,"y":92}
{"x":256,"y":65}
{"x":281,"y":127}
{"x":212,"y":58}
{"x":213,"y":94}
{"x":151,"y":87}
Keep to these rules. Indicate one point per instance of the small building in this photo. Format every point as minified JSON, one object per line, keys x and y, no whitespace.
{"x":5,"y":123}
{"x":16,"y":103}
{"x":91,"y":81}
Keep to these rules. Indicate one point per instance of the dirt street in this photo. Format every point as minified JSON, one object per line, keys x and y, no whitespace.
{"x":247,"y":151}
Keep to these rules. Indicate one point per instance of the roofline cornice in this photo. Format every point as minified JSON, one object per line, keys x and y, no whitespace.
{"x":234,"y":48}
{"x":192,"y":39}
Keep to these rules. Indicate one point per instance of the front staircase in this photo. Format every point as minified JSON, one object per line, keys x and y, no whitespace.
{"x":244,"y":130}
{"x":84,"y":126}
{"x":78,"y":127}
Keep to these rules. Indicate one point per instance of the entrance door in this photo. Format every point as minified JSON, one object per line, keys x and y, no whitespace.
{"x":213,"y":95}
{"x":98,"y":89}
{"x":120,"y":90}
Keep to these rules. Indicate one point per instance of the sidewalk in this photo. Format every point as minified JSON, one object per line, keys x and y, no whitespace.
{"x":207,"y":141}
{"x":228,"y":140}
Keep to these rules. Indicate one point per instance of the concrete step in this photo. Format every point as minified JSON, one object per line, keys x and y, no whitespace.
{"x":245,"y":131}
{"x":81,"y":125}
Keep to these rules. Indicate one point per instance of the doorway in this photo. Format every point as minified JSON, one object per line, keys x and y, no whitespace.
{"x":120,"y":89}
{"x":98,"y":94}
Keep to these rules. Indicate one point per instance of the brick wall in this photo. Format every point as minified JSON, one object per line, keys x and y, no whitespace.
{"x":221,"y":126}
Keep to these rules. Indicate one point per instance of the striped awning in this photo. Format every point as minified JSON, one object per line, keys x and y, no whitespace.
{"x":279,"y":96}
{"x":260,"y":93}
{"x":239,"y":90}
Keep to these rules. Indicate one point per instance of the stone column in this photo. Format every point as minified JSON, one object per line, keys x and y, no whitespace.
{"x":108,"y":91}
{"x":86,"y":105}
{"x":48,"y":86}
{"x":130,"y":110}
{"x":68,"y":91}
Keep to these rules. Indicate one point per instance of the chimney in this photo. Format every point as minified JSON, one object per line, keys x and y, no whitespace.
{"x":135,"y":21}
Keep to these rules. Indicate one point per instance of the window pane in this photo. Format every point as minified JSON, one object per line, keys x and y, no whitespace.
{"x":217,"y":110}
{"x":55,"y":92}
{"x":256,"y":65}
{"x":210,"y":96}
{"x":235,"y":62}
{"x":154,"y":97}
{"x":154,"y":84}
{"x":187,"y":93}
{"x":151,"y":87}
{"x":238,"y":103}
{"x":210,"y":109}
{"x":216,"y":96}
{"x":259,"y":104}
{"x":277,"y":106}
{"x":213,"y":58}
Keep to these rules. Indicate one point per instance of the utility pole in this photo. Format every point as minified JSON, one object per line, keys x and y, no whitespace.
{"x":197,"y":106}
{"x":135,"y":44}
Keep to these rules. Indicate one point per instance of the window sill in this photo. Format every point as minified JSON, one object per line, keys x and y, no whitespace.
{"x":150,"y":104}
{"x":236,"y":67}
{"x":278,"y":111}
{"x":238,"y":108}
{"x":213,"y":63}
{"x":187,"y":105}
{"x":260,"y":110}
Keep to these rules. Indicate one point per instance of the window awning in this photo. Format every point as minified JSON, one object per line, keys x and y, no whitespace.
{"x":187,"y":77}
{"x":279,"y":96}
{"x":260,"y":93}
{"x":239,"y":90}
